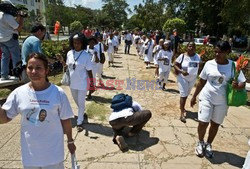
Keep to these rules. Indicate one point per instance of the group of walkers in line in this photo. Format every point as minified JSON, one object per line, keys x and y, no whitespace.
{"x":46,"y":111}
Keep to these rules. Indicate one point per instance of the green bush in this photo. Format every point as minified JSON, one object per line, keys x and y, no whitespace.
{"x":51,"y":48}
{"x":175,"y":23}
{"x":76,"y":26}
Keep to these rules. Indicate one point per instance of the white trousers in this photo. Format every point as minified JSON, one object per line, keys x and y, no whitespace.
{"x":111,"y":57}
{"x":163,"y":76}
{"x":79,"y":98}
{"x":97,"y":72}
{"x":55,"y":166}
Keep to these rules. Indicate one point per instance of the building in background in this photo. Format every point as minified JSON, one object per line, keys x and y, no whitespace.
{"x":38,"y":6}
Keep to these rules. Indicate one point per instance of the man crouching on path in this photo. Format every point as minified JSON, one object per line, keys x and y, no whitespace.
{"x":131,"y":116}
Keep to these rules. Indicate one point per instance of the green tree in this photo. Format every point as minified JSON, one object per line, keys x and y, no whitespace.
{"x":175,"y":23}
{"x":150,"y":15}
{"x":116,"y":12}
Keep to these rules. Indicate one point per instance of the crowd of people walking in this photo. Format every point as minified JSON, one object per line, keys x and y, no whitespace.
{"x":46,"y":111}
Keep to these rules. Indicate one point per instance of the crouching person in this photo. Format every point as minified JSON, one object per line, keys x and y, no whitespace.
{"x":127,"y":116}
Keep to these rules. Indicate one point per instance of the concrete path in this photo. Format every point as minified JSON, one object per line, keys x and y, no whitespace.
{"x":165,"y":142}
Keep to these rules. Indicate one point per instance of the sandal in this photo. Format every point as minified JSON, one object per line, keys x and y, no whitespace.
{"x":121,"y":143}
{"x":183,"y":119}
{"x":80,"y":128}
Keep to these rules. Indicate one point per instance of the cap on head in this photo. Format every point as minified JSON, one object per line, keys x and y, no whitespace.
{"x":6,"y":2}
{"x":175,"y":30}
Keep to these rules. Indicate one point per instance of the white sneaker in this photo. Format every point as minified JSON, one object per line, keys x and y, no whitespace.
{"x":199,"y":150}
{"x":208,"y":151}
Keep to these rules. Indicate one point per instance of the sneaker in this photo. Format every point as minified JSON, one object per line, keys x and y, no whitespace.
{"x":5,"y":78}
{"x":199,"y":150}
{"x":121,"y":143}
{"x":208,"y":151}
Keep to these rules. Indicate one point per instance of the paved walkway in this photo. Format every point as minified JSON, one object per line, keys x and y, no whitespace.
{"x":165,"y":142}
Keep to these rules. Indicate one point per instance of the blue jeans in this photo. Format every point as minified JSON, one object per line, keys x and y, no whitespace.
{"x":9,"y":48}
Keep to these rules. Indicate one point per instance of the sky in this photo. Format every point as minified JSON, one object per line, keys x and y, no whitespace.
{"x":97,"y":4}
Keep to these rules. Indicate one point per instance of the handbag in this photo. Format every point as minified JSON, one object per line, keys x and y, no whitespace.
{"x":235,"y":97}
{"x":66,"y":78}
{"x":102,"y":55}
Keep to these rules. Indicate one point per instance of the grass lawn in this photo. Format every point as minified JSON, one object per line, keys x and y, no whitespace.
{"x":97,"y":111}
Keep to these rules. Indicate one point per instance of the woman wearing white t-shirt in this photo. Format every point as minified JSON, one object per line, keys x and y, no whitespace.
{"x":142,"y":46}
{"x":187,"y":65}
{"x":111,"y":49}
{"x":156,"y":51}
{"x":212,"y":99}
{"x":148,"y":52}
{"x":46,"y":114}
{"x":80,"y":68}
{"x":164,"y":59}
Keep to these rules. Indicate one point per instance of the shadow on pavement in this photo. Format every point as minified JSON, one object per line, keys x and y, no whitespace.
{"x":117,"y":62}
{"x":108,"y":77}
{"x":171,"y":81}
{"x":93,"y":127}
{"x":192,"y":115}
{"x":115,"y":66}
{"x":101,"y":99}
{"x":226,"y":157}
{"x":117,"y":57}
{"x":173,"y":91}
{"x":142,"y":141}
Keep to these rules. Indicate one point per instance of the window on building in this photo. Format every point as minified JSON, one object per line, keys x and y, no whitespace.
{"x":32,"y":3}
{"x":38,"y":12}
{"x":25,"y":2}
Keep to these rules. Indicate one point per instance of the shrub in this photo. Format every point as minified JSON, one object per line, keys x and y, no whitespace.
{"x":76,"y":26}
{"x":175,"y":23}
{"x":51,"y":48}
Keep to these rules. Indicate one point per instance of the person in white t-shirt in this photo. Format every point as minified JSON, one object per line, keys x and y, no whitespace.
{"x":142,"y":42}
{"x":100,"y":49}
{"x":111,"y":49}
{"x":156,"y":51}
{"x":46,"y":113}
{"x":81,"y":77}
{"x":95,"y":60}
{"x":212,"y":99}
{"x":9,"y":45}
{"x":164,"y":59}
{"x":133,"y":116}
{"x":148,"y":52}
{"x":187,"y":65}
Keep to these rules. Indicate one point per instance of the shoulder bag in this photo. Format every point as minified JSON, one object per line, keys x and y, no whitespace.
{"x":235,"y":97}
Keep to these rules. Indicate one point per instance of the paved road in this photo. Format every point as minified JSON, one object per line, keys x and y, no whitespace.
{"x":165,"y":142}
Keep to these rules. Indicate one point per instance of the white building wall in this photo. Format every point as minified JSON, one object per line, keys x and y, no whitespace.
{"x":33,"y":5}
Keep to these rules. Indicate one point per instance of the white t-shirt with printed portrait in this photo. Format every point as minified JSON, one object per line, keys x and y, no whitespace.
{"x":164,"y":66}
{"x":189,"y":64}
{"x":217,"y":77}
{"x":78,"y":77}
{"x":42,"y":136}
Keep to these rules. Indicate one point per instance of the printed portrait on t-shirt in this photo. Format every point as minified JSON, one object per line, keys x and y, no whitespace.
{"x":218,"y":80}
{"x":166,"y":61}
{"x":42,"y":115}
{"x":193,"y":64}
{"x":35,"y":116}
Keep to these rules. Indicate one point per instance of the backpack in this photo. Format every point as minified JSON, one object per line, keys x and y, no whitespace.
{"x":121,"y":101}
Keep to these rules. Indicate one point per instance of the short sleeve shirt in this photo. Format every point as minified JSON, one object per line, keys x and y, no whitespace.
{"x":217,"y":77}
{"x":42,"y":138}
